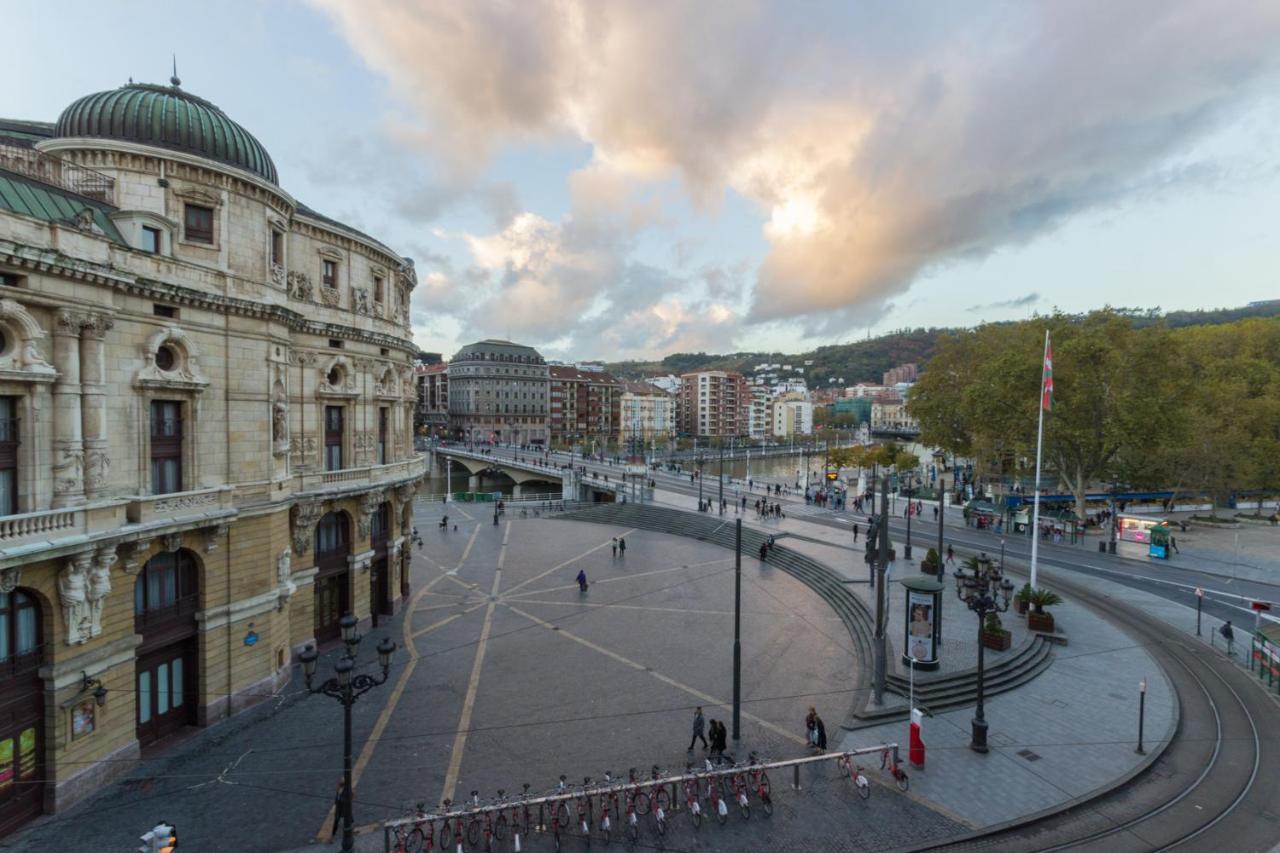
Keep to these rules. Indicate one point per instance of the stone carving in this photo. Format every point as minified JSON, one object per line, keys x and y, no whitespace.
{"x":285,"y":587}
{"x":278,"y":276}
{"x":300,"y":286}
{"x":172,"y":505}
{"x":66,"y":323}
{"x":73,"y":583}
{"x":280,"y":428}
{"x":361,"y":300}
{"x":212,"y":535}
{"x":96,"y":465}
{"x":369,"y":504}
{"x":185,"y":375}
{"x":96,"y":326}
{"x":133,"y":557}
{"x":67,"y":471}
{"x":346,"y":377}
{"x":100,"y":587}
{"x":305,"y":515}
{"x":407,"y":275}
{"x":172,"y":541}
{"x":329,"y":296}
{"x":302,"y":450}
{"x":10,"y":578}
{"x":26,"y":355}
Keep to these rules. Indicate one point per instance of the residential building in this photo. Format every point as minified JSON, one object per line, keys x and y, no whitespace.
{"x":647,"y":413}
{"x":498,"y":392}
{"x":759,"y":424}
{"x":206,"y":411}
{"x":714,"y":403}
{"x":431,"y":416}
{"x":585,"y":404}
{"x":669,"y":383}
{"x":792,"y":415}
{"x":901,"y":373}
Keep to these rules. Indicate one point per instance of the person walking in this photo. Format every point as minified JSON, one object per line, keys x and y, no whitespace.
{"x":615,"y":546}
{"x":718,"y":736}
{"x":855,"y":531}
{"x":1173,"y":543}
{"x":764,"y":551}
{"x":821,"y":731}
{"x":951,"y":555}
{"x":622,"y":547}
{"x":811,"y":727}
{"x":935,"y":513}
{"x":1228,"y":635}
{"x":582,"y":580}
{"x":698,"y":724}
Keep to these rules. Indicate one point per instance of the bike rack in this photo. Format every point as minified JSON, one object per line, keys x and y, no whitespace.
{"x":389,"y":826}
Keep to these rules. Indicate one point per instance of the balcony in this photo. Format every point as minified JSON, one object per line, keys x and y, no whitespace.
{"x":145,"y":508}
{"x":356,"y":477}
{"x":42,"y":526}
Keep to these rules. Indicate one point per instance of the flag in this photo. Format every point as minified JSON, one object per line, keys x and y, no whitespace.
{"x":1046,"y":385}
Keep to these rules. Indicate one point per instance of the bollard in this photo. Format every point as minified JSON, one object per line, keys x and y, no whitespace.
{"x":1142,"y":713}
{"x":796,"y":782}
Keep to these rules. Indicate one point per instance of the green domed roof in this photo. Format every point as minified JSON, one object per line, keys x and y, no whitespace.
{"x":167,"y":117}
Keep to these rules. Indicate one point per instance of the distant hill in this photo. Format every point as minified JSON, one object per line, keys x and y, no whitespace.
{"x":866,"y":361}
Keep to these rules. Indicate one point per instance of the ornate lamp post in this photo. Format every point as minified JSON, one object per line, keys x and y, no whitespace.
{"x":909,"y":484}
{"x":701,"y":460}
{"x":347,"y":688}
{"x":984,"y":590}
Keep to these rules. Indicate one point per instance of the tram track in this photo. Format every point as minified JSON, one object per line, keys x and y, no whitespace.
{"x":1202,"y":792}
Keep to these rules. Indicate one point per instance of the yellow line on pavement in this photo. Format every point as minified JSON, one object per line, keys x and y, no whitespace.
{"x":393,"y":700}
{"x":706,"y":698}
{"x":445,"y":621}
{"x":567,"y":562}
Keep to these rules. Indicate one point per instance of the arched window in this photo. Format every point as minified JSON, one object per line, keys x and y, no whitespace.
{"x":331,"y":534}
{"x":19,"y":632}
{"x":380,"y":523}
{"x":166,"y":589}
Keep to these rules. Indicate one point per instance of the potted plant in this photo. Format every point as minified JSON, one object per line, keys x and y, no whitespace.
{"x":1038,"y":619}
{"x":1022,"y":599}
{"x":994,"y":636}
{"x":931,"y":565}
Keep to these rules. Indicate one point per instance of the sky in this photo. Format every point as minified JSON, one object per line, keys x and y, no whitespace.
{"x":610,"y":179}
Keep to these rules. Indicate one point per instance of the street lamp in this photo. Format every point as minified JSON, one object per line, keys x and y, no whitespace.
{"x":347,"y":688}
{"x":910,"y":482}
{"x":700,"y":462}
{"x":984,"y":589}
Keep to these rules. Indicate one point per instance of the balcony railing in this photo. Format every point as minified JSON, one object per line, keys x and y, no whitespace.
{"x":57,"y":172}
{"x":368,"y":474}
{"x":46,"y":524}
{"x":144,"y":508}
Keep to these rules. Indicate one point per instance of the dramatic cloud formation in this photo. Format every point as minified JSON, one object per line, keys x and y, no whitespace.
{"x":879,"y":141}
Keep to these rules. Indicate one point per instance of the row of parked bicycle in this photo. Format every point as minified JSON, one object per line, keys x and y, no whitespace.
{"x":599,"y":807}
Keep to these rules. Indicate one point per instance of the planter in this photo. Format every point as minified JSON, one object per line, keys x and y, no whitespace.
{"x":997,"y":640}
{"x":1020,"y":607}
{"x":930,"y":568}
{"x":1040,"y":622}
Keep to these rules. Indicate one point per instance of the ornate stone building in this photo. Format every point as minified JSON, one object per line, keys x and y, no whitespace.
{"x":498,"y":393}
{"x":206,"y":409}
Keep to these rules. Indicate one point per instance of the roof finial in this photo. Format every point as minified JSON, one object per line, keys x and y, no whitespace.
{"x":174,"y":79}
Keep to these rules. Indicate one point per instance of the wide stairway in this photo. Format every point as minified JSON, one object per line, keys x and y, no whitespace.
{"x":934,"y":693}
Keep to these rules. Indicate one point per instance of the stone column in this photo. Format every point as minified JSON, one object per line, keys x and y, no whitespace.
{"x":93,"y":397}
{"x":68,"y":448}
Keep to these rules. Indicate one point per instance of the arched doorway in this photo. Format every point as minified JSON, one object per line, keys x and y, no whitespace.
{"x":21,"y":710}
{"x":333,"y":588}
{"x":380,"y":573}
{"x":166,"y":596}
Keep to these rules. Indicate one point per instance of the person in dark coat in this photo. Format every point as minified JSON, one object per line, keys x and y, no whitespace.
{"x":822,"y":733}
{"x":698,"y":723}
{"x":764,"y":551}
{"x":582,"y":580}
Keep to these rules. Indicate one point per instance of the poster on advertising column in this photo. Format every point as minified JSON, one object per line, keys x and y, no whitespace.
{"x":922,"y":623}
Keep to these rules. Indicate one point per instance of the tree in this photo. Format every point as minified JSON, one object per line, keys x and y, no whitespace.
{"x":1111,"y":401}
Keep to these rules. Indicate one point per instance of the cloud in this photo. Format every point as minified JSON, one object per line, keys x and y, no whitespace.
{"x":1019,"y":302}
{"x":878,"y":143}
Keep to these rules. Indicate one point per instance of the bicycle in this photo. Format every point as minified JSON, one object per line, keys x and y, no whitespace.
{"x":480,"y":823}
{"x":716,"y":800}
{"x":661,"y":802}
{"x":850,"y":770}
{"x":414,"y":839}
{"x":899,"y":775}
{"x":519,"y":819}
{"x":739,"y":783}
{"x":608,"y":803}
{"x":691,"y":796}
{"x":759,"y":782}
{"x":450,"y":821}
{"x":584,"y":809}
{"x":633,"y":797}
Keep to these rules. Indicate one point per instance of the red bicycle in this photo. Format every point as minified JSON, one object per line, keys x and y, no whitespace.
{"x":584,"y":809}
{"x":738,"y":781}
{"x":718,"y":807}
{"x":759,"y":782}
{"x":895,"y":770}
{"x":480,"y":824}
{"x":417,"y":837}
{"x":608,"y":807}
{"x":633,"y":795}
{"x":851,"y":770}
{"x":691,"y":796}
{"x":450,"y":822}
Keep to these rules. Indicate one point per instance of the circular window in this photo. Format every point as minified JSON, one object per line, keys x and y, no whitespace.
{"x":335,"y":376}
{"x":165,"y":358}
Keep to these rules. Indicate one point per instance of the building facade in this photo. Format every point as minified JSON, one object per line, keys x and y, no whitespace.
{"x":648,"y":414}
{"x":902,"y":373}
{"x":498,"y":392}
{"x":892,"y":416}
{"x":759,"y":424}
{"x":431,"y":417}
{"x":205,"y":433}
{"x":714,"y":403}
{"x":792,"y":416}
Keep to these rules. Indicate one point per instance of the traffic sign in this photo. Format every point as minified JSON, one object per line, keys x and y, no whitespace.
{"x":1199,"y":592}
{"x":1260,"y":605}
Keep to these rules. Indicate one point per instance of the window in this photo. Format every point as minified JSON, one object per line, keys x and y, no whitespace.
{"x":331,"y":534}
{"x":277,"y":248}
{"x":334,"y":343}
{"x":19,"y":630}
{"x":150,"y":239}
{"x":198,"y":223}
{"x":166,"y":447}
{"x":330,"y":276}
{"x":377,"y":288}
{"x":8,"y":455}
{"x":165,"y":311}
{"x":332,"y":438}
{"x":165,"y":359}
{"x":165,"y":588}
{"x":382,"y":435}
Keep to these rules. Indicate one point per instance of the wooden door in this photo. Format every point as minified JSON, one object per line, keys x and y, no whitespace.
{"x":166,"y":691}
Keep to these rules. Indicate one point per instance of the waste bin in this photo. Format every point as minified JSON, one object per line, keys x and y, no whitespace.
{"x":1102,"y":547}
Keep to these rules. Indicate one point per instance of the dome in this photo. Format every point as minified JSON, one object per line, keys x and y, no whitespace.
{"x":167,"y":117}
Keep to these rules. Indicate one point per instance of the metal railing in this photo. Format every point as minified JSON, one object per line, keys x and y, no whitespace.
{"x":469,"y":812}
{"x":57,"y":172}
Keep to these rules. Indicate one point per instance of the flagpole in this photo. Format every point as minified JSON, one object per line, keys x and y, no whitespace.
{"x":1035,"y":515}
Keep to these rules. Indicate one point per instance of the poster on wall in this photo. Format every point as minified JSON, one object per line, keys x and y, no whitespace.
{"x":82,"y":719}
{"x":920,"y":643}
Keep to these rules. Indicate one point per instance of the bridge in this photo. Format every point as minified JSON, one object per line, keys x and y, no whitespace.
{"x":526,"y":469}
